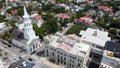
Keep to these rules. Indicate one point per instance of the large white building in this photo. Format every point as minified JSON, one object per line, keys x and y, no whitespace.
{"x":68,"y":50}
{"x":24,"y":36}
{"x":96,"y":39}
{"x":111,"y":56}
{"x":1,"y":64}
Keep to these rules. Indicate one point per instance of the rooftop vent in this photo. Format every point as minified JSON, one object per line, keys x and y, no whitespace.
{"x":95,"y":33}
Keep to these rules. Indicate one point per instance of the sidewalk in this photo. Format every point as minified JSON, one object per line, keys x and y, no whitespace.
{"x":44,"y":60}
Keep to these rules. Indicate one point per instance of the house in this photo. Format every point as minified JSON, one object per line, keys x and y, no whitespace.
{"x":117,"y":14}
{"x":3,"y":28}
{"x":62,"y":16}
{"x":66,"y":50}
{"x":14,"y":11}
{"x":37,"y":19}
{"x":92,"y":12}
{"x":97,"y":40}
{"x":24,"y":36}
{"x":85,"y":20}
{"x":105,"y":8}
{"x":111,"y":55}
{"x":89,"y":1}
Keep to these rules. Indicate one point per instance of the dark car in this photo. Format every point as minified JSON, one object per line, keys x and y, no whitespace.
{"x":30,"y":59}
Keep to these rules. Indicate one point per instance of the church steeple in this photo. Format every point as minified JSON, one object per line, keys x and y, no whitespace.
{"x":25,"y":12}
{"x":29,"y":33}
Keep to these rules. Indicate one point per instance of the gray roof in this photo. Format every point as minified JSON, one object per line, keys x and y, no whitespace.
{"x":18,"y":35}
{"x":19,"y":64}
{"x":114,"y":47}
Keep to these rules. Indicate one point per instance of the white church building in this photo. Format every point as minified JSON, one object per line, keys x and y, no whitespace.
{"x":24,"y":36}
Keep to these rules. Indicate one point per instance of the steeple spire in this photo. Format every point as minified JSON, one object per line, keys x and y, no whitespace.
{"x":25,"y":11}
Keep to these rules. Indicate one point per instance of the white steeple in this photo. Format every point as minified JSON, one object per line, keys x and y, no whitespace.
{"x":25,"y":12}
{"x":29,"y":33}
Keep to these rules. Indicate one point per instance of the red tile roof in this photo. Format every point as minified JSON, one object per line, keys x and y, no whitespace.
{"x":105,"y":8}
{"x":64,"y":16}
{"x":85,"y":19}
{"x":14,"y":11}
{"x":65,"y":47}
{"x":37,"y":17}
{"x":82,"y":5}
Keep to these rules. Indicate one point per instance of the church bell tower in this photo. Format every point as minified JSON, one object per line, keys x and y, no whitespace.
{"x":29,"y":33}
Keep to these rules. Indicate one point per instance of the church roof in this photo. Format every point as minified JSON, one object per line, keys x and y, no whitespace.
{"x":19,"y":36}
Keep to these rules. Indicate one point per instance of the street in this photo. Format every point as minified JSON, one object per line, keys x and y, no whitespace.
{"x":67,"y":28}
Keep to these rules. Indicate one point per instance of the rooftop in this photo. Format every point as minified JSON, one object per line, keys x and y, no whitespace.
{"x":19,"y":36}
{"x":21,"y":64}
{"x":70,"y":44}
{"x":106,"y":8}
{"x":96,"y":35}
{"x":64,"y":16}
{"x":113,"y":47}
{"x":86,"y":20}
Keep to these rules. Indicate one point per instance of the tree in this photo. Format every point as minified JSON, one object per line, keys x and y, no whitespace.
{"x":2,"y":18}
{"x":6,"y":36}
{"x":87,"y":7}
{"x":115,"y":23}
{"x":75,"y":29}
{"x":79,"y":14}
{"x":11,"y":23}
{"x":47,"y":7}
{"x":5,"y":53}
{"x":59,"y":10}
{"x":30,"y":7}
{"x":20,"y":12}
{"x":47,"y":28}
{"x":47,"y":17}
{"x":0,"y":50}
{"x":1,"y":4}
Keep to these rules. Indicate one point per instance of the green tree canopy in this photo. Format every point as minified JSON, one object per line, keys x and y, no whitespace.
{"x":47,"y":28}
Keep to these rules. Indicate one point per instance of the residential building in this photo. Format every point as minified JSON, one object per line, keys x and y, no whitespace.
{"x":37,"y":19}
{"x":26,"y":38}
{"x":111,"y":55}
{"x":3,"y":28}
{"x":78,"y":1}
{"x":68,"y":50}
{"x":96,"y":39}
{"x":85,"y":20}
{"x":1,"y":64}
{"x":105,"y":8}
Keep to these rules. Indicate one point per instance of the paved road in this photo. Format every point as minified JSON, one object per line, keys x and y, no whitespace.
{"x":67,"y":28}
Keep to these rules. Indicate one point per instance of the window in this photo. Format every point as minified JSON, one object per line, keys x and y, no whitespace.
{"x":78,"y":64}
{"x":73,"y":66}
{"x":64,"y":63}
{"x":99,"y":47}
{"x":53,"y":53}
{"x":47,"y":51}
{"x":47,"y":54}
{"x":64,"y":58}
